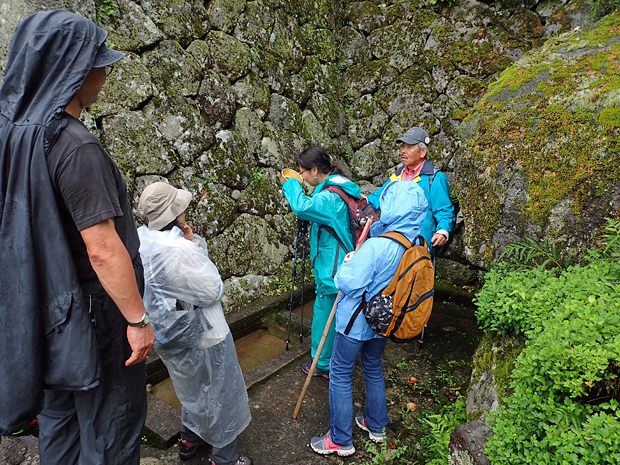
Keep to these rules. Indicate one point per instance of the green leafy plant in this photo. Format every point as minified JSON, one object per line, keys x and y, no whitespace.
{"x":108,"y":8}
{"x":601,"y":8}
{"x":564,"y":406}
{"x":531,"y":253}
{"x":440,"y":426}
{"x":384,"y":452}
{"x":257,"y":175}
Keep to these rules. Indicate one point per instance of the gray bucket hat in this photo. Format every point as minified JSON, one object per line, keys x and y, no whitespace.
{"x":413,"y":136}
{"x":106,"y":57}
{"x":160,"y":203}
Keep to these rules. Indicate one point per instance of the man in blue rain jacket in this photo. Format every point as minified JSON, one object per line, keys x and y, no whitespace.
{"x":414,"y":148}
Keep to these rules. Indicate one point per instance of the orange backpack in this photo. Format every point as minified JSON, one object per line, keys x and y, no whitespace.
{"x":403,"y":308}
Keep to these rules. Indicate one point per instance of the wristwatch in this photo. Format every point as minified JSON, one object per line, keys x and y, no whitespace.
{"x":143,"y":322}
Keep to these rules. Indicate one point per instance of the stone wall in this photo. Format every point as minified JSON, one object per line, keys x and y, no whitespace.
{"x":217,"y":97}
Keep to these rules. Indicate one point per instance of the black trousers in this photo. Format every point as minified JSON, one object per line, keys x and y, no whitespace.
{"x":103,"y":425}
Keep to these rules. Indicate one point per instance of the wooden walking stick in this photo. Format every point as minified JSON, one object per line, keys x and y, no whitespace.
{"x":328,"y":325}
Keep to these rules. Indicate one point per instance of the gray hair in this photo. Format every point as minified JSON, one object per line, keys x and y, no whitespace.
{"x":422,"y":145}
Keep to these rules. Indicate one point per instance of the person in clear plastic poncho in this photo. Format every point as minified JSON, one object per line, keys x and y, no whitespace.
{"x":182,"y":296}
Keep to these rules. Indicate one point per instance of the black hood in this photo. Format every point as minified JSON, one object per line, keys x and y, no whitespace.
{"x":46,"y":338}
{"x":51,"y":53}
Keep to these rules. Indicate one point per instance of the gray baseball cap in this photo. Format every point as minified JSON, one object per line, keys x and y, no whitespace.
{"x":106,"y":57}
{"x":414,"y":136}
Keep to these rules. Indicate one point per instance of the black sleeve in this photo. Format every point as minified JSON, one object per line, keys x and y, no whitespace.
{"x":86,"y":183}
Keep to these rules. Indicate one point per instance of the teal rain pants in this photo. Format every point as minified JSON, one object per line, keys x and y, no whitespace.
{"x":322,"y":308}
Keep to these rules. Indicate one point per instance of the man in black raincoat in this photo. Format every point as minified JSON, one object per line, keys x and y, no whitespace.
{"x":74,"y":333}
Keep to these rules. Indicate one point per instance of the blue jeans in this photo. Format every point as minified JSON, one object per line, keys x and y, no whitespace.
{"x":342,"y":365}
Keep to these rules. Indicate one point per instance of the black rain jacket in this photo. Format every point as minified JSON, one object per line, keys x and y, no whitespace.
{"x":46,"y":337}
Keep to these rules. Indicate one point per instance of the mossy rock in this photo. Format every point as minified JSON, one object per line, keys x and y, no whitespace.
{"x":213,"y":208}
{"x":369,"y":160}
{"x":368,"y":77}
{"x":228,"y":55}
{"x":180,"y":20}
{"x":136,"y":145}
{"x":320,"y":42}
{"x":223,"y":14}
{"x":227,"y":161}
{"x":354,"y":47}
{"x":284,"y":42}
{"x":365,"y":16}
{"x":367,"y":120}
{"x":181,"y":124}
{"x":280,"y":148}
{"x":252,"y":92}
{"x":262,"y":251}
{"x":127,"y":88}
{"x":285,"y":113}
{"x":399,"y":44}
{"x":255,"y":24}
{"x":296,"y":88}
{"x":325,"y":78}
{"x":128,"y":26}
{"x":411,"y":89}
{"x":330,"y":112}
{"x":261,"y":196}
{"x":321,"y":13}
{"x":493,"y":364}
{"x":216,"y":99}
{"x":173,"y":69}
{"x":542,"y":146}
{"x":314,"y":131}
{"x":249,"y":127}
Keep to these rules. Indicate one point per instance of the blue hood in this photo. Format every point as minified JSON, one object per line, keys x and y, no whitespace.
{"x":403,"y":209}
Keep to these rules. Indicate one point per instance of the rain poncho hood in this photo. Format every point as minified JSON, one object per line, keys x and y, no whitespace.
{"x":403,"y":209}
{"x":324,"y":208}
{"x":46,"y":338}
{"x":441,"y":210}
{"x":182,"y":295}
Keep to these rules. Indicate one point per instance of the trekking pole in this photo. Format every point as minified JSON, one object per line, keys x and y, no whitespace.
{"x":290,"y":302}
{"x":315,"y":361}
{"x":304,"y":230}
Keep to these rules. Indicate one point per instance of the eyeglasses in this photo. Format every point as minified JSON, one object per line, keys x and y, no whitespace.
{"x":303,"y":171}
{"x":108,"y":70}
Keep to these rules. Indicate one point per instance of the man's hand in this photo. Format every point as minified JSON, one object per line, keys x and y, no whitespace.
{"x":438,"y":240}
{"x":141,"y":341}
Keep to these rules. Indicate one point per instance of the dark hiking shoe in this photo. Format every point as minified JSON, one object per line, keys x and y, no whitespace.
{"x":188,"y":449}
{"x":305,"y":367}
{"x":240,"y":461}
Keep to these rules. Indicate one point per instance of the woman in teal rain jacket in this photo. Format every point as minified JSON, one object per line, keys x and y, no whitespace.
{"x":321,"y":209}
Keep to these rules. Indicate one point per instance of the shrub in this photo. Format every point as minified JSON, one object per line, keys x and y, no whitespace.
{"x":565,"y":402}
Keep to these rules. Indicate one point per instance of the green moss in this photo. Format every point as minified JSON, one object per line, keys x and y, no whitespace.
{"x":555,"y":114}
{"x":610,"y":117}
{"x":498,"y":354}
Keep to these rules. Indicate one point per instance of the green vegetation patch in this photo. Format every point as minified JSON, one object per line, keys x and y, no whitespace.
{"x":564,"y":404}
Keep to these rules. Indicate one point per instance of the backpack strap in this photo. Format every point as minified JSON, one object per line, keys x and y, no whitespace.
{"x":398,"y":237}
{"x":330,"y":230}
{"x":357,"y":311}
{"x":343,"y":195}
